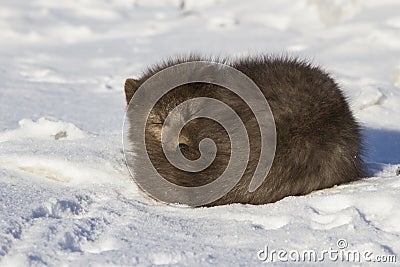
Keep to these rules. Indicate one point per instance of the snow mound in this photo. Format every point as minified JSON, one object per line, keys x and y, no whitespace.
{"x":43,"y":128}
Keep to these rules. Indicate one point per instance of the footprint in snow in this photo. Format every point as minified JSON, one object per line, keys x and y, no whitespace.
{"x":61,"y":170}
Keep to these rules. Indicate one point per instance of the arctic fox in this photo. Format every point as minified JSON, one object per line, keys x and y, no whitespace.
{"x":318,"y":141}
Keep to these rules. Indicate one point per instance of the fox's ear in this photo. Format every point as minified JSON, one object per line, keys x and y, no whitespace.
{"x":131,"y":85}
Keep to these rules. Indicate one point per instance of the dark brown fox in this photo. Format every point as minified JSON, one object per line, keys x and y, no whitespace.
{"x":318,"y":142}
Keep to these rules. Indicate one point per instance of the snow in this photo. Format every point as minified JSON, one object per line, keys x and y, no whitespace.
{"x":66,"y":197}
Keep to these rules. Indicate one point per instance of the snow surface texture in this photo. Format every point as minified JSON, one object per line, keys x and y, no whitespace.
{"x":66,"y":197}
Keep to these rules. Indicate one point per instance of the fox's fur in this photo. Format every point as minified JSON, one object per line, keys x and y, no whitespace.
{"x":318,"y":140}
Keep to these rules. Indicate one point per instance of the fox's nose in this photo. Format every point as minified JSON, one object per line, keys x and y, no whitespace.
{"x":183,"y":146}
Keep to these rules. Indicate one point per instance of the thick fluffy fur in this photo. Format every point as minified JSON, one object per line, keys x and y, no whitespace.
{"x":318,"y":140}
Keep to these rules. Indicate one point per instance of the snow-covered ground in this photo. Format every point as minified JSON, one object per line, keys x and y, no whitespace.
{"x":66,"y":197}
